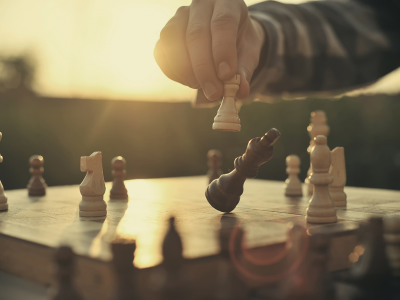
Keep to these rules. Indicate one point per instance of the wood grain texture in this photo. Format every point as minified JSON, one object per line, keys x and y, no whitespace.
{"x":33,"y":227}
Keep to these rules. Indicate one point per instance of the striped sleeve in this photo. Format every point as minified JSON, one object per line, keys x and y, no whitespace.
{"x":324,"y":47}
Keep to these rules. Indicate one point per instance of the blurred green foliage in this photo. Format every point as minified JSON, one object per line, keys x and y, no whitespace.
{"x":172,"y":139}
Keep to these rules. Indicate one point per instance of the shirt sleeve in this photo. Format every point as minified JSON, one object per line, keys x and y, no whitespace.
{"x":324,"y":47}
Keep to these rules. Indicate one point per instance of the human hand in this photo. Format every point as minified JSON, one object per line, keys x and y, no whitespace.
{"x":209,"y":42}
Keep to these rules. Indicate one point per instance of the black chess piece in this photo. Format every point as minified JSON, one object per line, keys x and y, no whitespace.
{"x":123,"y":256}
{"x":174,"y":287}
{"x":214,"y":165}
{"x":66,"y":290}
{"x":224,"y":193}
{"x":36,"y":186}
{"x":311,"y":280}
{"x":118,"y":190}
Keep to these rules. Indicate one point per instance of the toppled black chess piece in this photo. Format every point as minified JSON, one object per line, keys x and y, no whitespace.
{"x":65,"y":290}
{"x":224,"y":193}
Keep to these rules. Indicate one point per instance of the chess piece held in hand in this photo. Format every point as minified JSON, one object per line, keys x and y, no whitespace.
{"x":3,"y":197}
{"x":214,"y":165}
{"x":92,"y":187}
{"x":65,"y":270}
{"x":36,"y":186}
{"x":224,"y":193}
{"x":321,"y":208}
{"x":338,"y":172}
{"x":227,"y":118}
{"x":293,"y":184}
{"x":118,"y":190}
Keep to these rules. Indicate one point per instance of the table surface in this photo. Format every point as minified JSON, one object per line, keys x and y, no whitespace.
{"x":263,"y":211}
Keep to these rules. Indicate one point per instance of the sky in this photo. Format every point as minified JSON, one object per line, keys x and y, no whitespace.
{"x":100,"y":49}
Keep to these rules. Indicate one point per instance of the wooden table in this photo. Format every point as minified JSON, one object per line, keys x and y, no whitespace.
{"x":33,"y":227}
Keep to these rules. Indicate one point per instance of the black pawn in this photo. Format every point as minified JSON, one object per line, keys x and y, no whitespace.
{"x":66,"y":290}
{"x":123,"y":256}
{"x":36,"y":186}
{"x":172,"y":250}
{"x":118,"y":190}
{"x":214,"y":165}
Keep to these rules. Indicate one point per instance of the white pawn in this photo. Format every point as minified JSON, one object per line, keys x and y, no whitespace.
{"x":227,"y":118}
{"x":338,"y":172}
{"x":321,"y":208}
{"x":392,"y":238}
{"x":293,"y":184}
{"x":3,"y":197}
{"x":317,"y":127}
{"x":92,"y":187}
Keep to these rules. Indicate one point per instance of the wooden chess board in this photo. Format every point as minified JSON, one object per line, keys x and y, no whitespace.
{"x":34,"y":226}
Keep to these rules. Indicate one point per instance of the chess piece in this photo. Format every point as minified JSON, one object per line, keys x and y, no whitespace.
{"x":3,"y":196}
{"x":338,"y":173}
{"x":321,"y":208}
{"x":392,"y":240}
{"x":224,"y":193}
{"x":125,"y":271}
{"x":36,"y":186}
{"x":227,"y":118}
{"x":214,"y":165}
{"x":65,"y":269}
{"x":172,"y":250}
{"x":92,"y":187}
{"x":293,"y":184}
{"x":118,"y":190}
{"x":317,"y":127}
{"x":311,"y":280}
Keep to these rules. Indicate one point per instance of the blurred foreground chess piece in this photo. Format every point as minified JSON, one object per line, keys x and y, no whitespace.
{"x":311,"y":280}
{"x":36,"y":186}
{"x":321,"y":208}
{"x":118,"y":190}
{"x":317,"y":127}
{"x":214,"y":165}
{"x":292,"y":183}
{"x":3,"y":196}
{"x":227,"y":118}
{"x":392,"y":240}
{"x":173,"y":287}
{"x":338,"y":173}
{"x":92,"y":187}
{"x":123,"y":256}
{"x":224,"y":193}
{"x":65,"y":290}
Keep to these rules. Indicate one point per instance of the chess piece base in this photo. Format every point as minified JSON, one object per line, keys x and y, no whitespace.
{"x":114,"y":196}
{"x":3,"y":206}
{"x":227,"y":202}
{"x":93,"y":213}
{"x":38,"y":192}
{"x":338,"y":196}
{"x":293,"y":193}
{"x":321,"y":220}
{"x":226,"y":126}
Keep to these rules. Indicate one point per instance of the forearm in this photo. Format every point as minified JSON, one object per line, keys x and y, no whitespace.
{"x":323,"y":47}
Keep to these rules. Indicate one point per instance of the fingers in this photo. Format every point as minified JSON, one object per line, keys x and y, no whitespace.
{"x":225,"y":23}
{"x":172,"y":40}
{"x":198,"y":42}
{"x":163,"y":63}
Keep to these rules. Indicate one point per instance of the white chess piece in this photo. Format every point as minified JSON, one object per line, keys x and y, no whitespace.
{"x":321,"y":208}
{"x":92,"y":187}
{"x":392,"y":238}
{"x":3,"y":197}
{"x":338,"y":172}
{"x":227,"y":118}
{"x":292,"y":183}
{"x":317,"y":127}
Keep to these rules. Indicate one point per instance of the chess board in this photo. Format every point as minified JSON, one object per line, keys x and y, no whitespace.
{"x":34,"y":226}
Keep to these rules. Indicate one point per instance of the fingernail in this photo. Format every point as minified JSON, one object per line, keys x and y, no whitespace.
{"x":223,"y":69}
{"x":210,"y":90}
